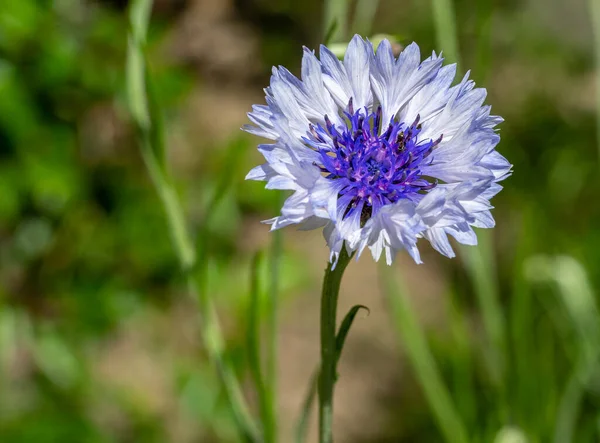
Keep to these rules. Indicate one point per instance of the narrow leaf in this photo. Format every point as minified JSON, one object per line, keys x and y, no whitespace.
{"x":421,"y":358}
{"x":330,"y":31}
{"x":156,"y":129}
{"x":336,"y":11}
{"x":481,"y":268}
{"x":253,"y":330}
{"x":595,"y":19}
{"x":445,"y":26}
{"x":345,"y":328}
{"x":307,"y":407}
{"x":578,"y":300}
{"x":364,"y":15}
{"x":302,"y":426}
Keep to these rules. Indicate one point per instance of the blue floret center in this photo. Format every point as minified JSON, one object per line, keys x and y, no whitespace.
{"x":375,"y":168}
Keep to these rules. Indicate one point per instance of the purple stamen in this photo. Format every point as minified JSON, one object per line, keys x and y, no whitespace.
{"x":375,"y":169}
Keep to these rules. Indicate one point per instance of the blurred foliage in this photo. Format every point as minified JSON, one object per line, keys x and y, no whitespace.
{"x":87,"y":268}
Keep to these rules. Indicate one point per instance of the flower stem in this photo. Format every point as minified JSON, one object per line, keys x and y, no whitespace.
{"x":271,"y":357}
{"x":327,"y":378}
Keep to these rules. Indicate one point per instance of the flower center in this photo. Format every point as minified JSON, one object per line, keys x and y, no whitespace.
{"x":375,"y":169}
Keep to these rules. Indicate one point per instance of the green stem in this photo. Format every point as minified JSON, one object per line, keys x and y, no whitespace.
{"x":327,"y":378}
{"x":271,"y":358}
{"x":172,"y":208}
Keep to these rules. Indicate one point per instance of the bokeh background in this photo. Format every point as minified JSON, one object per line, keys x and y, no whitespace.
{"x":99,"y":341}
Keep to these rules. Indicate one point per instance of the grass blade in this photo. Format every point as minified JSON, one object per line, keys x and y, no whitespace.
{"x":480,"y":265}
{"x":462,"y":360}
{"x":254,"y":351}
{"x":232,"y":160}
{"x":335,"y":20}
{"x":595,"y":16}
{"x":363,"y":16}
{"x":484,"y":38}
{"x":579,"y":302}
{"x":146,"y":122}
{"x":307,"y":407}
{"x":422,"y":361}
{"x":329,"y":32}
{"x":253,"y":330}
{"x":445,"y":26}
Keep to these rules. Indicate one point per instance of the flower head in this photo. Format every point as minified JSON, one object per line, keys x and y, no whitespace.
{"x":380,"y":151}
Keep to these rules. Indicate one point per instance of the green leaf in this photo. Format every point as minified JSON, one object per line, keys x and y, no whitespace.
{"x":302,"y":426}
{"x":345,"y":328}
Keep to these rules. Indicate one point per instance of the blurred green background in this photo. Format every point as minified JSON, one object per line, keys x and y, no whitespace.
{"x":98,"y":340}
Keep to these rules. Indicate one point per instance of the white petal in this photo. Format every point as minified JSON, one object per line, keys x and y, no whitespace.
{"x":284,"y":97}
{"x":313,"y":222}
{"x":393,"y":228}
{"x":261,"y":173}
{"x":324,"y":197}
{"x":281,"y":182}
{"x":457,"y":173}
{"x":334,"y":241}
{"x":335,"y":78}
{"x":462,"y":106}
{"x":484,"y":220}
{"x":432,"y":98}
{"x":463,"y":233}
{"x":439,"y":241}
{"x":356,"y":62}
{"x":261,"y":117}
{"x":312,"y":79}
{"x":496,"y":163}
{"x":396,"y":82}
